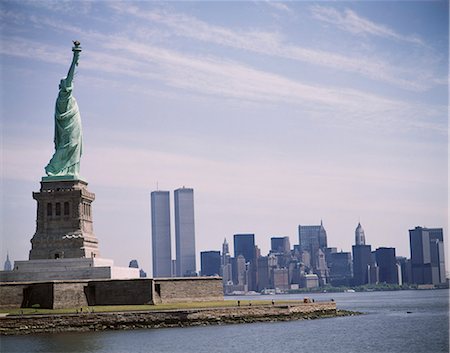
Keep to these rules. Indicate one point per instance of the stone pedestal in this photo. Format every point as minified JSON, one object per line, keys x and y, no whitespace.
{"x":67,"y":269}
{"x":64,"y":227}
{"x":64,"y":246}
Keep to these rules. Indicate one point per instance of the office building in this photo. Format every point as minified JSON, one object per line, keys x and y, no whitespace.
{"x":362,"y":260}
{"x":226,"y":263}
{"x":405,"y":269}
{"x":427,"y":255}
{"x":363,"y":263}
{"x":281,"y":279}
{"x":210,"y":263}
{"x":360,"y":237}
{"x":135,"y":264}
{"x":310,"y":281}
{"x":264,"y":273}
{"x":312,"y":238}
{"x":244,"y":244}
{"x":7,"y":266}
{"x":340,"y":265}
{"x":387,"y":265}
{"x":185,"y":232}
{"x":161,"y":242}
{"x":280,"y":245}
{"x":239,"y":270}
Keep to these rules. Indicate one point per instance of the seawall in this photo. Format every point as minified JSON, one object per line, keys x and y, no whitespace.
{"x":60,"y":294}
{"x":26,"y":324}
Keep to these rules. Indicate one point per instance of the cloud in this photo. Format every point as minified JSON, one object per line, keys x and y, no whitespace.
{"x":63,"y":6}
{"x":207,"y":75}
{"x":279,"y":5}
{"x":350,"y":21}
{"x":273,"y":44}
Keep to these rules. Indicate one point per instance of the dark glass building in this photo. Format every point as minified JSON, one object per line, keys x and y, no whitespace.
{"x":387,"y":265}
{"x":210,"y":263}
{"x":244,"y":244}
{"x":280,"y":245}
{"x":405,"y":268}
{"x":340,"y":264}
{"x":263,"y":271}
{"x":427,"y":255}
{"x":362,"y":260}
{"x":312,"y":238}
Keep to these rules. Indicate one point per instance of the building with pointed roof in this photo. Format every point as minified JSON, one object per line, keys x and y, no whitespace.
{"x":7,"y":266}
{"x":360,"y":237}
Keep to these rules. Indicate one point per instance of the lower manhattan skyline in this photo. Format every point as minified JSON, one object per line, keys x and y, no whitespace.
{"x":277,"y":114}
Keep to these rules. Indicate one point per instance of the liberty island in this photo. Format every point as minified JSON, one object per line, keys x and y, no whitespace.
{"x":65,"y":271}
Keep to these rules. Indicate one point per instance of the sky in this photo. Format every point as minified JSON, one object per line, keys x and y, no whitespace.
{"x":276,"y":113}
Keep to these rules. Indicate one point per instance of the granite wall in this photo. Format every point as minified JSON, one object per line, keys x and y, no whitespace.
{"x":75,"y":294}
{"x":120,"y":292}
{"x":11,"y":295}
{"x":187,"y":289}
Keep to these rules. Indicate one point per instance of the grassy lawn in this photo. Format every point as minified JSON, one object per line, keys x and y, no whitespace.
{"x":172,"y":306}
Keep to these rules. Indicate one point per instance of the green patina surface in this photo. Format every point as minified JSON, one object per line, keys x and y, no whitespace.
{"x":68,"y":131}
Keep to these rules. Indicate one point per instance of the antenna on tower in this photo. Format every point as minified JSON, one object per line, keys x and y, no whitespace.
{"x":157,"y":186}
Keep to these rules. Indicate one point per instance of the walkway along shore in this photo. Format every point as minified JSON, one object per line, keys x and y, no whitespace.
{"x":90,"y":321}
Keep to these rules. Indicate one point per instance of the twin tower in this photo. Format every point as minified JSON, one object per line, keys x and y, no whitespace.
{"x":185,"y":264}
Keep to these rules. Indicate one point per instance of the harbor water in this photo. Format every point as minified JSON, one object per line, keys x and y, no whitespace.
{"x":395,"y":322}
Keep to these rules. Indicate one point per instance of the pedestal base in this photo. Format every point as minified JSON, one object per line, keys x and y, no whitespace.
{"x":64,"y":224}
{"x":67,"y":269}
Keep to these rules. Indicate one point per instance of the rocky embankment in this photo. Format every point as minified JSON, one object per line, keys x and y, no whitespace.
{"x":26,"y":324}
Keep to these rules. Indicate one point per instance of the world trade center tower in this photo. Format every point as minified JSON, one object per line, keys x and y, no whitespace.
{"x":185,"y":232}
{"x":161,"y":244}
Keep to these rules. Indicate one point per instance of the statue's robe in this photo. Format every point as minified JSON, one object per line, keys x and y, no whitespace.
{"x":68,"y":135}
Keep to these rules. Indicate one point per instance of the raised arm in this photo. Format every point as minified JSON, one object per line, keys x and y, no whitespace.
{"x":76,"y":54}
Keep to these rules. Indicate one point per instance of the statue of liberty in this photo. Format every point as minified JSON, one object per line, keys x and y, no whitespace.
{"x":68,"y":133}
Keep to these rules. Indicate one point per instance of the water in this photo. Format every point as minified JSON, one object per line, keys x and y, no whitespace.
{"x":387,"y":327}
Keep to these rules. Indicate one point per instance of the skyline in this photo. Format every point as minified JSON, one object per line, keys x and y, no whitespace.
{"x":275,"y":113}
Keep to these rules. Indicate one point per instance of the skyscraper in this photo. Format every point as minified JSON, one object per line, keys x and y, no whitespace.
{"x":340,"y":264}
{"x":264,"y":276}
{"x":427,"y":255}
{"x":362,"y":258}
{"x":280,"y":245}
{"x":161,"y":244}
{"x":226,"y":263}
{"x":185,"y":232}
{"x":360,"y":237}
{"x":312,"y":238}
{"x":387,"y":264}
{"x":210,"y":263}
{"x":244,"y":244}
{"x":239,"y":273}
{"x":7,"y":266}
{"x":362,"y":261}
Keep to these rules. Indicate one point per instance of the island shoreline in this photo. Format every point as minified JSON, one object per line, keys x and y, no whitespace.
{"x":101,"y":321}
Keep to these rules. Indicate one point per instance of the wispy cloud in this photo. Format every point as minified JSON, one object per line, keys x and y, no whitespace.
{"x":273,"y":44}
{"x":62,"y":6}
{"x":122,"y":54}
{"x":206,"y":75}
{"x":279,"y":5}
{"x":350,"y":21}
